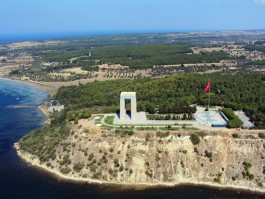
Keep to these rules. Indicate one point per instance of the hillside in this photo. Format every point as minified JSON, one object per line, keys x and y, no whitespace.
{"x":73,"y":147}
{"x":88,"y":153}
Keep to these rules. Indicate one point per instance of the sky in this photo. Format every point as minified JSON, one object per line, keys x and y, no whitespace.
{"x":61,"y":16}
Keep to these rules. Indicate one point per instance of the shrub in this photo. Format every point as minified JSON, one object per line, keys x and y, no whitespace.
{"x":65,"y":170}
{"x":262,"y":135}
{"x":110,"y":171}
{"x":121,"y":168}
{"x":78,"y":166}
{"x":194,"y":139}
{"x":208,"y":154}
{"x":93,"y":168}
{"x":65,"y":159}
{"x":116,"y":161}
{"x":97,"y":175}
{"x":218,"y":178}
{"x":130,"y":132}
{"x":182,"y":164}
{"x":235,"y":135}
{"x":233,"y":120}
{"x":91,"y":156}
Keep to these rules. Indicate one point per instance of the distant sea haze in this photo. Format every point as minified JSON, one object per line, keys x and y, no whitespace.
{"x":65,"y":35}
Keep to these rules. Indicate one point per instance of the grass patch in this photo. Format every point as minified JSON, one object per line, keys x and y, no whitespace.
{"x":146,"y":128}
{"x":160,"y":125}
{"x":99,"y":119}
{"x":107,"y":127}
{"x":190,"y":129}
{"x":109,"y":120}
{"x":125,"y":128}
{"x":169,"y":129}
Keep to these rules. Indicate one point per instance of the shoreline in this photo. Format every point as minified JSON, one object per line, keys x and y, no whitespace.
{"x":27,"y":157}
{"x":42,"y":107}
{"x":44,"y":110}
{"x":51,"y":90}
{"x":34,"y":162}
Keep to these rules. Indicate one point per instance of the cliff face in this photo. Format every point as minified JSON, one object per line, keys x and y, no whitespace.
{"x":153,"y":158}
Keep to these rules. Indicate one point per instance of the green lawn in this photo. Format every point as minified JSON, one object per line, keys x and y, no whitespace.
{"x":109,"y":120}
{"x":146,"y":128}
{"x":99,"y":120}
{"x":106,"y":127}
{"x":157,"y":125}
{"x":125,"y":128}
{"x":190,"y":128}
{"x":169,"y":129}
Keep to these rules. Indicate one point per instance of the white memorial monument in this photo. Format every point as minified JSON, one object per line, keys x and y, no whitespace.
{"x":134,"y":117}
{"x":131,"y":96}
{"x":138,"y":118}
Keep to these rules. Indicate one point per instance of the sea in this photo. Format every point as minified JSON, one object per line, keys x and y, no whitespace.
{"x":19,"y":114}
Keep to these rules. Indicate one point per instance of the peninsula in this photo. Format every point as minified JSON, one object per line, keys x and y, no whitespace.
{"x":177,"y":133}
{"x":83,"y":144}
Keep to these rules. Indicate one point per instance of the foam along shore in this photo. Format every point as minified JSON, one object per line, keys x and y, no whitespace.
{"x":41,"y":107}
{"x":42,"y":85}
{"x":34,"y":161}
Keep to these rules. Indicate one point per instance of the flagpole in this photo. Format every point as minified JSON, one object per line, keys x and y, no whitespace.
{"x":209,"y":99}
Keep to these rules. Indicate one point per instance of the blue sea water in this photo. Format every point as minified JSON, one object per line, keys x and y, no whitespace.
{"x":18,"y":180}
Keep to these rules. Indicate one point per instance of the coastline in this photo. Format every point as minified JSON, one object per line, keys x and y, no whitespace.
{"x":44,"y":110}
{"x":42,"y":107}
{"x":35,"y":162}
{"x":49,"y":89}
{"x":31,"y":160}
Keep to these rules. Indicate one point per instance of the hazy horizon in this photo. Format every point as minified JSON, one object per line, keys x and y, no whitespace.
{"x":68,"y":35}
{"x":79,"y":17}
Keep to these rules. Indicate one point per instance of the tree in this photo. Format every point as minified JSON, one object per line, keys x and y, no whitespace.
{"x":194,"y":139}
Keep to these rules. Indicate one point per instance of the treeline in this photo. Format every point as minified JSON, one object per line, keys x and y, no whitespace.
{"x":174,"y":94}
{"x":137,"y":57}
{"x":146,"y":56}
{"x":253,"y":47}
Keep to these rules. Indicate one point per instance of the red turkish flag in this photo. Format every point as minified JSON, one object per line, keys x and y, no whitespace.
{"x":208,"y":86}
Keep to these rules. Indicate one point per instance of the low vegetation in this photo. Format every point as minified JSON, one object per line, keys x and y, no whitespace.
{"x":194,"y":139}
{"x":233,"y":120}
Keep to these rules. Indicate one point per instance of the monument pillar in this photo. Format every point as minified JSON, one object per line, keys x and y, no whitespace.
{"x":130,"y":96}
{"x":122,"y":109}
{"x":136,"y":117}
{"x":133,"y":108}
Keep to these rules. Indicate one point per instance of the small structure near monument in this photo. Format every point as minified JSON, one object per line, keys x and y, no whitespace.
{"x":55,"y":105}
